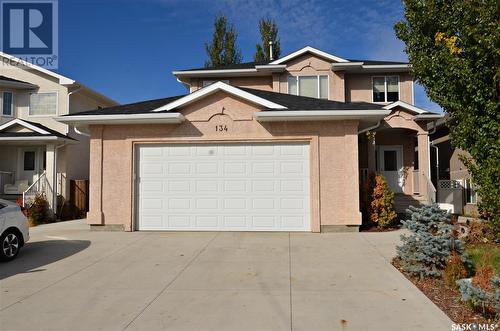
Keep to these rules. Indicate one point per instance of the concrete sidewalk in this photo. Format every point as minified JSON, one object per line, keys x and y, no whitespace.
{"x":69,"y":278}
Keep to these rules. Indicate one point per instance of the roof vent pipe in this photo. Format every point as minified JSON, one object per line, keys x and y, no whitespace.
{"x":270,"y":50}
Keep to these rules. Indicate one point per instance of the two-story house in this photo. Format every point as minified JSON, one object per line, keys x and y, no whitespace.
{"x":37,"y":153}
{"x":276,"y":146}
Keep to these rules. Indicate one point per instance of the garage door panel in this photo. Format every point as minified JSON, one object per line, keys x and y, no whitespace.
{"x":235,"y":186}
{"x":177,"y":186}
{"x":208,"y":186}
{"x":232,"y":187}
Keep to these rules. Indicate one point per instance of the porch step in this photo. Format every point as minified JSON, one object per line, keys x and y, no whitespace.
{"x":403,"y":201}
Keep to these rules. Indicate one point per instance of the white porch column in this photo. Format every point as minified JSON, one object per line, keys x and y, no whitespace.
{"x":50,"y":170}
{"x":423,"y":162}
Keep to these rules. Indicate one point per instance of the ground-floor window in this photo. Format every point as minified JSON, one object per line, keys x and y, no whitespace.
{"x":470,"y":192}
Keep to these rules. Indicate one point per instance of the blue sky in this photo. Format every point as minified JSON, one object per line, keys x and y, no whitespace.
{"x":127,"y":49}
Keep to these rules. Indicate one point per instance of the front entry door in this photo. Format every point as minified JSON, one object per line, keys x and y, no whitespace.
{"x":390,"y":165}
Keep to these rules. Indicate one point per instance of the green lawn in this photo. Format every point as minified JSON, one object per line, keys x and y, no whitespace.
{"x":477,"y":251}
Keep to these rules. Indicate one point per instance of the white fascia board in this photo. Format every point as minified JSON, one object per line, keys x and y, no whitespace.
{"x":213,"y":73}
{"x":35,"y":138}
{"x":386,"y":66}
{"x":361,"y":67}
{"x":165,"y":118}
{"x":406,"y":106}
{"x":62,"y":79}
{"x":311,"y":50}
{"x":216,"y":87}
{"x":346,"y":65}
{"x":320,"y":115}
{"x":429,"y":117}
{"x":20,"y":122}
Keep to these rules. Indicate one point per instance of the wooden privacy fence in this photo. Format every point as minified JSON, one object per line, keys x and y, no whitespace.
{"x":79,"y":195}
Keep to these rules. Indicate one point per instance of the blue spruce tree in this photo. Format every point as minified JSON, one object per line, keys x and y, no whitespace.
{"x":425,"y":251}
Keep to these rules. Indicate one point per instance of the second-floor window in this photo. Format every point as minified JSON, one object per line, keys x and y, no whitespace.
{"x":7,"y":106}
{"x":43,"y":104}
{"x":385,"y":88}
{"x":309,"y":86}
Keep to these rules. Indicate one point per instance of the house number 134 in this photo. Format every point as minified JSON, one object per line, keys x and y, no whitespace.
{"x":221,"y":128}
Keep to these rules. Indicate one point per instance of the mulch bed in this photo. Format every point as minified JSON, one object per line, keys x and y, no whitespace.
{"x":377,"y":229}
{"x":447,"y":299}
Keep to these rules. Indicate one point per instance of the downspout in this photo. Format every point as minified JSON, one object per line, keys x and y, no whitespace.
{"x":370,"y":127}
{"x":80,"y":132}
{"x":74,"y":127}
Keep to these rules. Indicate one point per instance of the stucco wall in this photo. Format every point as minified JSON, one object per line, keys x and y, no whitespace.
{"x":77,"y":162}
{"x":359,"y":86}
{"x":334,"y":157}
{"x":458,"y":171}
{"x":342,"y":86}
{"x":46,"y":84}
{"x":307,"y":65}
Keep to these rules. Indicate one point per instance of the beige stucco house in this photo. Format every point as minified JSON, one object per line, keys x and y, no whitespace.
{"x":37,"y":153}
{"x":275,"y":146}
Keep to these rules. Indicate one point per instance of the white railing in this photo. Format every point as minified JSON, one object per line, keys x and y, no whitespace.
{"x":416,"y":181}
{"x":431,"y":190}
{"x":453,"y":184}
{"x":450,"y":195}
{"x":40,"y":186}
{"x":6,"y":177}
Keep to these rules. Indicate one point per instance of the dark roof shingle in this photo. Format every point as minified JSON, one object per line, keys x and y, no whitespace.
{"x":291,"y":102}
{"x":377,"y":62}
{"x":8,"y":79}
{"x":243,"y":65}
{"x":294,"y":102}
{"x":131,"y":108}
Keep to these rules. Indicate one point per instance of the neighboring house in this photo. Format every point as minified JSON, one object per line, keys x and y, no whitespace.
{"x":39,"y":154}
{"x":455,"y":189}
{"x":259,"y":147}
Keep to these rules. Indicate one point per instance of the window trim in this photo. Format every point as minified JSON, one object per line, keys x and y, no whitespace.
{"x":385,"y":89}
{"x":11,"y":105}
{"x":468,"y":185}
{"x":317,"y":82}
{"x":45,"y":92}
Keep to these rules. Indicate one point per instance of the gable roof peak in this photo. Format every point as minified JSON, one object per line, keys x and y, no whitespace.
{"x":216,"y":87}
{"x":308,"y":49}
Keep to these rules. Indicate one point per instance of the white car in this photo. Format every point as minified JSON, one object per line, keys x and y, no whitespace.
{"x":14,"y":230}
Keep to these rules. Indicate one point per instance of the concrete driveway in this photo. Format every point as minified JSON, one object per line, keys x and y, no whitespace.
{"x":69,"y":278}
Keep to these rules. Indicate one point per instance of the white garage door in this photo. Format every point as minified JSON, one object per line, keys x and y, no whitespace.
{"x":224,"y":187}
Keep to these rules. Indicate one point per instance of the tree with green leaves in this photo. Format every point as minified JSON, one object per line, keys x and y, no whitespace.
{"x":454,"y":49}
{"x":222,"y":50}
{"x":268,"y":33}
